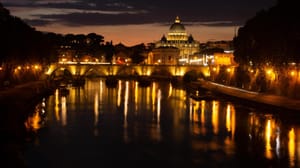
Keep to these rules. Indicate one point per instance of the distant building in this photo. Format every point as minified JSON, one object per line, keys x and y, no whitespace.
{"x":218,"y":53}
{"x":121,"y":58}
{"x":164,"y":55}
{"x":66,"y":54}
{"x":177,"y":37}
{"x":225,"y":58}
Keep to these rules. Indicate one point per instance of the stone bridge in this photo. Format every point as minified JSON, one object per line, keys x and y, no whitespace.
{"x":83,"y":70}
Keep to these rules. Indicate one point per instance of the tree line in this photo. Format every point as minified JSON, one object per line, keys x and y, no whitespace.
{"x":271,"y":37}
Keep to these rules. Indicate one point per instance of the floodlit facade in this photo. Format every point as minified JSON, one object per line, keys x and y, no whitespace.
{"x":224,"y":59}
{"x":177,"y":37}
{"x":164,"y":55}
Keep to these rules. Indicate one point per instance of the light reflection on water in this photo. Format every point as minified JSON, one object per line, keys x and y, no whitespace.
{"x":36,"y":120}
{"x":207,"y":133}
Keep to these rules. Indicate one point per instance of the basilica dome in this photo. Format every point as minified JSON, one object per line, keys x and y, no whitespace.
{"x":177,"y":37}
{"x":177,"y":26}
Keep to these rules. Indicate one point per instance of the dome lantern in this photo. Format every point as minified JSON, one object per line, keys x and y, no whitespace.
{"x":177,"y":20}
{"x":177,"y":26}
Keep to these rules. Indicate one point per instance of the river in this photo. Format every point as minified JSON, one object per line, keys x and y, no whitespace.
{"x":160,"y":125}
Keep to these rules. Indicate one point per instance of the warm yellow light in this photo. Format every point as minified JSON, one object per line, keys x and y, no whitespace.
{"x":1,"y":68}
{"x":119,"y":93}
{"x":36,"y":67}
{"x":56,"y":108}
{"x":228,"y":69}
{"x":215,"y":116}
{"x":214,"y":69}
{"x":203,"y":112}
{"x":293,"y":73}
{"x":292,"y":146}
{"x":19,"y":67}
{"x":136,"y":95}
{"x":268,"y":134}
{"x":96,"y":109}
{"x":269,"y":71}
{"x":33,"y":122}
{"x":63,"y":111}
{"x":228,"y":118}
{"x":126,"y":96}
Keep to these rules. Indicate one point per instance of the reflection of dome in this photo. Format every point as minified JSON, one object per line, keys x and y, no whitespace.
{"x":177,"y":26}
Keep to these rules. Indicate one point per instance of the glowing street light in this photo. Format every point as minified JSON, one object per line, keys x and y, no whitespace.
{"x":269,"y":71}
{"x":228,"y":70}
{"x":36,"y":67}
{"x":293,"y":73}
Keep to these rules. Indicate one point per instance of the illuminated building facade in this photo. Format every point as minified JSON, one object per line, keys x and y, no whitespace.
{"x":221,"y":59}
{"x":177,"y":37}
{"x":164,"y":55}
{"x":225,"y":58}
{"x":222,"y":54}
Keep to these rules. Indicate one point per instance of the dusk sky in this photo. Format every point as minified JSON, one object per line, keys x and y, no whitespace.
{"x":137,"y":21}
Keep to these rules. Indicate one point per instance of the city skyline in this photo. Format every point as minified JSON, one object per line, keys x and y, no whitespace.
{"x":133,"y":22}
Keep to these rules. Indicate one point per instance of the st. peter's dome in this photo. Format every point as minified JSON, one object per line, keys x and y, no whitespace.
{"x":177,"y":26}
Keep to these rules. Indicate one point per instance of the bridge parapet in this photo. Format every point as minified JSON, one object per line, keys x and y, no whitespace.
{"x":131,"y":69}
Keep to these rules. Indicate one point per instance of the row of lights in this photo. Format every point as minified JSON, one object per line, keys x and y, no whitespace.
{"x":27,"y":67}
{"x":227,"y":69}
{"x":270,"y":71}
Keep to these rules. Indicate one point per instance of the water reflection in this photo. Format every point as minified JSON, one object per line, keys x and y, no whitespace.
{"x":230,"y":120}
{"x":126,"y":136}
{"x":163,"y":122}
{"x":96,"y":113}
{"x":158,"y":105}
{"x":291,"y":147}
{"x":119,"y":92}
{"x":203,"y":107}
{"x":268,"y":134}
{"x":37,"y":119}
{"x":57,"y":105}
{"x":63,"y":111}
{"x":215,"y":116}
{"x":136,"y":94}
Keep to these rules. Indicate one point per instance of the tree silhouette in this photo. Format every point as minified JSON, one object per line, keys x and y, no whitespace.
{"x":271,"y":36}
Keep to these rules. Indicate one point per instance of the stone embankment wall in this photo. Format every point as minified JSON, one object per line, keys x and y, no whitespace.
{"x":268,"y":99}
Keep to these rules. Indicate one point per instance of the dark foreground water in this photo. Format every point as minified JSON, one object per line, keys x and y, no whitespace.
{"x":158,"y":125}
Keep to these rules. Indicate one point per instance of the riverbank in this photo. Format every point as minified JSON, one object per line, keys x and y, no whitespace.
{"x":16,"y":103}
{"x":268,"y":99}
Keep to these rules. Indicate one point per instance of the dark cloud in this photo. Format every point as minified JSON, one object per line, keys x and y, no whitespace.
{"x":37,"y":22}
{"x":124,"y":12}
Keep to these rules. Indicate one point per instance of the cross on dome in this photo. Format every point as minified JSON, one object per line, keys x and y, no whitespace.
{"x":177,"y":20}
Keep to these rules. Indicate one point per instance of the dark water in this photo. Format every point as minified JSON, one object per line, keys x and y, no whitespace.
{"x":159,"y":125}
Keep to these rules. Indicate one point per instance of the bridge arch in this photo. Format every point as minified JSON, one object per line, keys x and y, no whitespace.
{"x":54,"y":68}
{"x":161,"y":72}
{"x":93,"y":72}
{"x":195,"y":72}
{"x":61,"y":74}
{"x":127,"y":71}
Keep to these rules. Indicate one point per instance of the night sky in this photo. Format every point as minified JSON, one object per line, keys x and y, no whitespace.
{"x":137,"y":21}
